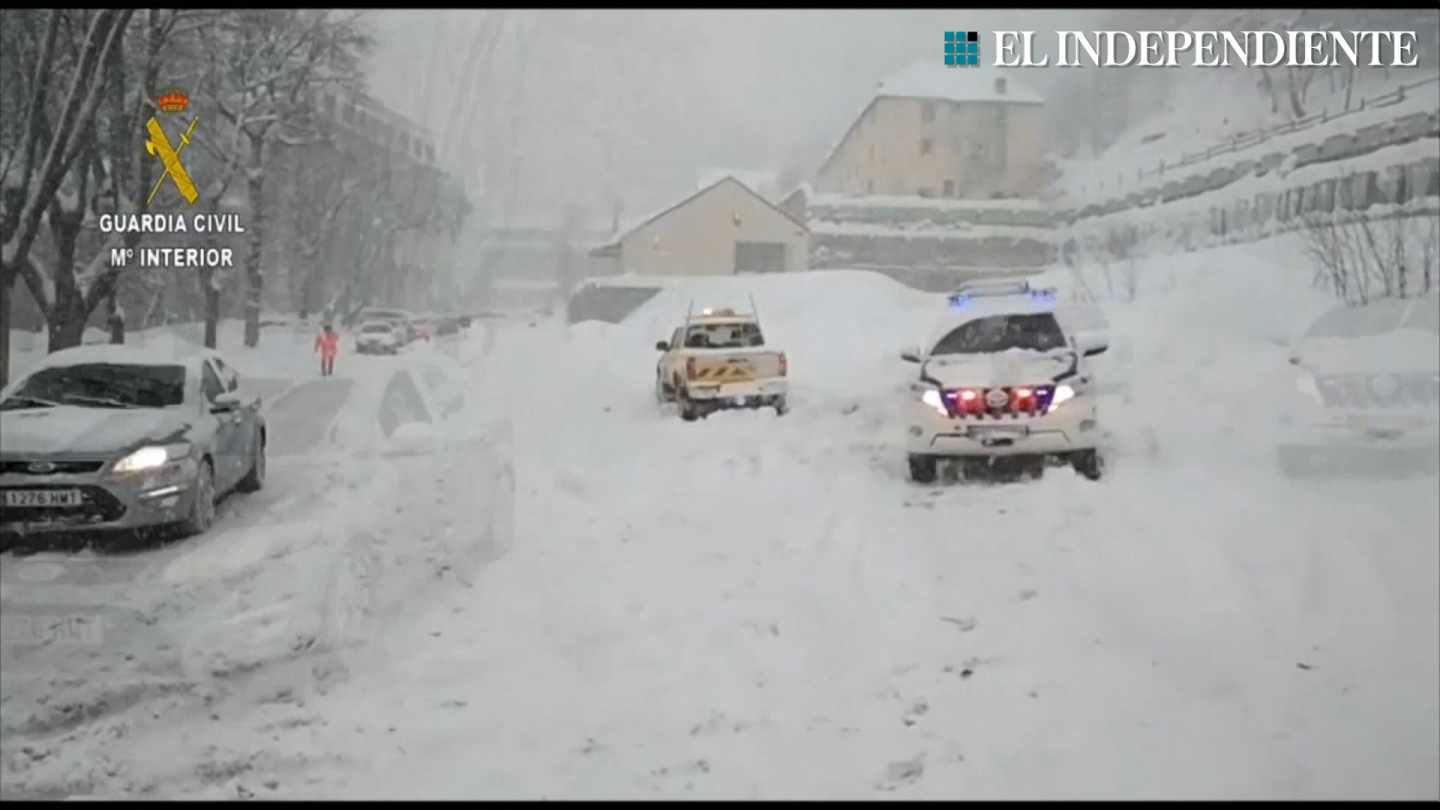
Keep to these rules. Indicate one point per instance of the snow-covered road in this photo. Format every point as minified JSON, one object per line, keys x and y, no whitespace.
{"x":761,"y":606}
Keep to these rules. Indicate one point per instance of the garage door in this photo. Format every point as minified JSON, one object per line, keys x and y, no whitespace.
{"x":759,"y":257}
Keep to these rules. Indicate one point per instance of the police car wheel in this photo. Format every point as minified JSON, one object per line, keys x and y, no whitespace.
{"x":923,"y":469}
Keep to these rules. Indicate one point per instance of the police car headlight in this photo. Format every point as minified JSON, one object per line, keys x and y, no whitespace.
{"x":1063,"y":394}
{"x":933,"y":398}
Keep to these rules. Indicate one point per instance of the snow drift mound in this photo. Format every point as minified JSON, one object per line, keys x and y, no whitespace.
{"x":840,"y":329}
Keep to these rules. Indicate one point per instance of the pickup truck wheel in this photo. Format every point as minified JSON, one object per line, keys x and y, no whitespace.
{"x":689,"y":411}
{"x":923,"y":469}
{"x":1088,"y":463}
{"x":781,"y":406}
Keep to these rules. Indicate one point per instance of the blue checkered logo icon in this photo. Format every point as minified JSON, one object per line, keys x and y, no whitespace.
{"x":962,"y":48}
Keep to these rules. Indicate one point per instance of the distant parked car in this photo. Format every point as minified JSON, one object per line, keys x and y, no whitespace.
{"x":113,"y":438}
{"x":1369,"y":387}
{"x":377,"y":337}
{"x":399,"y":317}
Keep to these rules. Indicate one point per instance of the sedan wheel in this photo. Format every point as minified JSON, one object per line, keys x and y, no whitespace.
{"x":202,"y":510}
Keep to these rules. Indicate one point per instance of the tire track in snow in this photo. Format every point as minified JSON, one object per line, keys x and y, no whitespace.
{"x":299,"y":421}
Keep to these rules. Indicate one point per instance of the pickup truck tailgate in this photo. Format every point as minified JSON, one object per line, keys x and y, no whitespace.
{"x":728,"y":368}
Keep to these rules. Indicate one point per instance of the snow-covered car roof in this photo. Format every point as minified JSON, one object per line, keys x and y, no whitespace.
{"x":1389,"y":334}
{"x":178,"y":352}
{"x":1377,"y":318}
{"x":719,"y":316}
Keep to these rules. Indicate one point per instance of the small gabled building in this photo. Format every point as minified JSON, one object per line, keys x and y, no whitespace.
{"x":723,"y":229}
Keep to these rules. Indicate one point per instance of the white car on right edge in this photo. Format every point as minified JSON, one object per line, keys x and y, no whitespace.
{"x":1002,"y":385}
{"x":1368,"y":392}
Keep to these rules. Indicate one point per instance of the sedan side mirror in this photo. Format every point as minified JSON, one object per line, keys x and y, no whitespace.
{"x":910,"y":354}
{"x":226,"y":402}
{"x":662,"y":346}
{"x":1096,"y":350}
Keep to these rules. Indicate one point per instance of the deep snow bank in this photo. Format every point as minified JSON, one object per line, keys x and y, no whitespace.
{"x":840,"y":329}
{"x":751,"y":606}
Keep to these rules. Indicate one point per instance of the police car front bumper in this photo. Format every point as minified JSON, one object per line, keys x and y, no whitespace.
{"x":1069,"y":428}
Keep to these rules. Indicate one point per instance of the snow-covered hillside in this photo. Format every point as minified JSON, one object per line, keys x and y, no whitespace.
{"x":763,"y":606}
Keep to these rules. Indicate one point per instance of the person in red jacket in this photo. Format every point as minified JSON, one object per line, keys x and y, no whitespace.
{"x":327,"y":343}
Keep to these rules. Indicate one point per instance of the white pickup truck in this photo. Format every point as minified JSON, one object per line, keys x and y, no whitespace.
{"x":717,"y":361}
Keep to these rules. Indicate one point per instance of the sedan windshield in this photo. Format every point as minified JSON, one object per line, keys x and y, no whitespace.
{"x":101,"y":385}
{"x":376,"y":329}
{"x":999,"y":333}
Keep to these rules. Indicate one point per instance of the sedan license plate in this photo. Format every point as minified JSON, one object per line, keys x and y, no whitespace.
{"x":43,"y":497}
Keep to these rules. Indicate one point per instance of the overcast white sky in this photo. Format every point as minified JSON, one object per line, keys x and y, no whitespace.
{"x":588,"y":107}
{"x":662,"y":92}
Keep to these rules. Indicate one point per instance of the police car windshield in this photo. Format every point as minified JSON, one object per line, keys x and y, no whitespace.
{"x":1000,"y":333}
{"x":724,"y":336}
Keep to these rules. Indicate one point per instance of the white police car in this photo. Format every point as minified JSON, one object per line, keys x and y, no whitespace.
{"x":1001,"y":384}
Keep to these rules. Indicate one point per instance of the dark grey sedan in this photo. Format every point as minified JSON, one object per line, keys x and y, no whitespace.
{"x":112,"y":437}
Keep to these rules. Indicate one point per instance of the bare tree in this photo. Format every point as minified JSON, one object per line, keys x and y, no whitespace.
{"x":269,"y":64}
{"x":1360,"y":258}
{"x":28,"y":189}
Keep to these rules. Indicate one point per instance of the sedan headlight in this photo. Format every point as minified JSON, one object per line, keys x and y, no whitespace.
{"x":148,"y":458}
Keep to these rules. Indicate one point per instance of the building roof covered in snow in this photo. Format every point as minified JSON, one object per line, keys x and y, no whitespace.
{"x":967,"y":84}
{"x":612,"y":248}
{"x":764,"y":183}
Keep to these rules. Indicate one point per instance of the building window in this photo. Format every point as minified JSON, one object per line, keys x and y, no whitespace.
{"x":927,"y":112}
{"x":926,"y":146}
{"x":869,"y":186}
{"x":872,"y":153}
{"x":949,"y":188}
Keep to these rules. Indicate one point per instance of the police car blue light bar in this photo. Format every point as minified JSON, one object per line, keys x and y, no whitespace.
{"x":965,"y":297}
